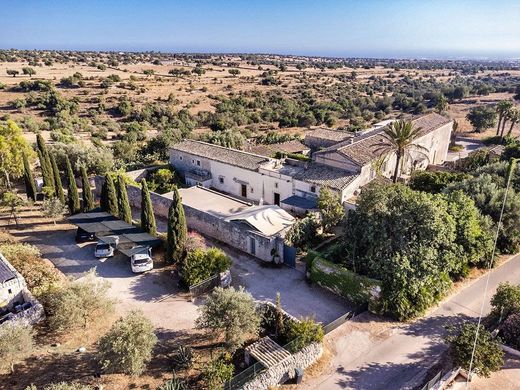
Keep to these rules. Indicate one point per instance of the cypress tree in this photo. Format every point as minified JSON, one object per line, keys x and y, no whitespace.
{"x":111,"y":196}
{"x":58,"y":186}
{"x":72,"y":191}
{"x":103,"y":195}
{"x":88,"y":197}
{"x":45,"y":162}
{"x":125,"y":212}
{"x":177,"y":230}
{"x":30,"y":185}
{"x":147,"y":215}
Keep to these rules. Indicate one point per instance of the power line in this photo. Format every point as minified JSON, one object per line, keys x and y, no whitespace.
{"x":510,"y":172}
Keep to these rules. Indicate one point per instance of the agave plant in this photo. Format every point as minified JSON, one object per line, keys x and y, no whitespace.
{"x":173,"y":384}
{"x":183,"y":358}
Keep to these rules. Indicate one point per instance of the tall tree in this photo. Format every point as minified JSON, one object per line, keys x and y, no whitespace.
{"x":12,"y":147}
{"x":399,"y":138}
{"x":72,"y":191}
{"x":503,"y":107}
{"x":109,"y":196}
{"x":177,"y":230}
{"x":514,"y":117}
{"x":147,"y":215}
{"x":442,"y":104}
{"x":125,"y":212}
{"x":88,"y":197}
{"x":58,"y":186}
{"x":45,"y":162}
{"x":30,"y":185}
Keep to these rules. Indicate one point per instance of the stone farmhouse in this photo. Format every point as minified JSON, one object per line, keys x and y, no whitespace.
{"x":345,"y":163}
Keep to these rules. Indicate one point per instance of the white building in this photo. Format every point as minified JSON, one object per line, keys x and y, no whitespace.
{"x":343,"y":167}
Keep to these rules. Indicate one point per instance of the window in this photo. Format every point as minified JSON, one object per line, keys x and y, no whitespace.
{"x":180,"y":158}
{"x":275,"y":185}
{"x":313,"y":188}
{"x":198,"y":163}
{"x":9,"y":291}
{"x":221,"y":179}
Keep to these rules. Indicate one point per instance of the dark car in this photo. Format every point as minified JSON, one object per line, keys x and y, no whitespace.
{"x":84,"y":236}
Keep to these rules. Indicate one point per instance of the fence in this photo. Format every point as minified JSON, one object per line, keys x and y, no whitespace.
{"x":205,"y":286}
{"x":245,"y":376}
{"x":432,"y":382}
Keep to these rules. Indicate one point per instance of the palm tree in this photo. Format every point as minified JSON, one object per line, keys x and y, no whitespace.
{"x":514,"y":117}
{"x":503,"y":107}
{"x":399,"y":138}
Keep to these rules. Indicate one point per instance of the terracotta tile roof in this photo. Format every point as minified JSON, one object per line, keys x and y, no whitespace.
{"x":325,"y":176}
{"x":328,"y":134}
{"x":293,"y":146}
{"x":362,"y":149}
{"x":219,"y":153}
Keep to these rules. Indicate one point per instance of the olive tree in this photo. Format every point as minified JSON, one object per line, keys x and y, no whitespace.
{"x":16,"y":343}
{"x":127,"y":347}
{"x":230,"y":313}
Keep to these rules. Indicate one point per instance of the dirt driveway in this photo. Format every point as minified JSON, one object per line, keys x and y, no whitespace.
{"x":155,"y":292}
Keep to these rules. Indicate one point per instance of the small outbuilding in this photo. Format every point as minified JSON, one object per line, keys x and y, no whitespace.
{"x":256,"y":229}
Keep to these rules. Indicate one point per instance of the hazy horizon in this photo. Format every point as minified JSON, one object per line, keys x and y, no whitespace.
{"x":467,"y":29}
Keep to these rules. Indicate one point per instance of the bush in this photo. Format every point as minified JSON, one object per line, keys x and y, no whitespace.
{"x":488,"y":357}
{"x":162,"y":180}
{"x":506,"y":300}
{"x":127,"y":347}
{"x":434,"y":182}
{"x":200,"y":264}
{"x":16,"y":343}
{"x":511,"y":330}
{"x":303,"y":233}
{"x":216,"y":373}
{"x":79,"y":304}
{"x":39,"y":275}
{"x":230,"y":313}
{"x":304,"y":332}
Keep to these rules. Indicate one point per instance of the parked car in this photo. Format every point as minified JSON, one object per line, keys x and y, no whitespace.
{"x":142,"y":260}
{"x":84,"y":236}
{"x":106,"y":246}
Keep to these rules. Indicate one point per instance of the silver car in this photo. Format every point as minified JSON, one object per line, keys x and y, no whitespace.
{"x":106,"y":247}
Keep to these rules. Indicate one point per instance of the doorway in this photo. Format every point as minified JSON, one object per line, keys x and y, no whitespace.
{"x":277,"y":198}
{"x":243,"y":189}
{"x":252,"y":242}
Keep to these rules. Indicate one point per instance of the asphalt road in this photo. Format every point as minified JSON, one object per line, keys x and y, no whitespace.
{"x":403,"y":357}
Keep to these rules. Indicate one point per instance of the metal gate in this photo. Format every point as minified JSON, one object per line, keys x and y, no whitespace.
{"x":289,"y":256}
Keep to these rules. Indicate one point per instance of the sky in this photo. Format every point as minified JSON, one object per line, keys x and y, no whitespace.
{"x":337,"y":28}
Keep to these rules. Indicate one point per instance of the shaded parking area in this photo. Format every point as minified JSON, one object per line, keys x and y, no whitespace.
{"x":154,"y":292}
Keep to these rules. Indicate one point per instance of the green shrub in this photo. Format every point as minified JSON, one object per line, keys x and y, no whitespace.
{"x":511,"y":330}
{"x":127,"y":347}
{"x":16,"y":343}
{"x":200,"y":264}
{"x":488,"y":356}
{"x":506,"y":300}
{"x":304,"y":332}
{"x":183,"y":357}
{"x":162,"y":180}
{"x":217,"y":372}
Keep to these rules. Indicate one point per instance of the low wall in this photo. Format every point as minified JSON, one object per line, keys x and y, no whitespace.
{"x":356,"y":288}
{"x":284,"y":371}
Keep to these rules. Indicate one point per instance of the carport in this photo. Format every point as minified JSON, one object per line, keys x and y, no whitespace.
{"x":102,"y":224}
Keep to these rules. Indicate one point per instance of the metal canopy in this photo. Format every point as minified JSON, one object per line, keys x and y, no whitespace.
{"x":95,"y":216}
{"x":104,"y":224}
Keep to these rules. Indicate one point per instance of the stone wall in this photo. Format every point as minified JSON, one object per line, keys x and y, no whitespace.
{"x":284,"y":371}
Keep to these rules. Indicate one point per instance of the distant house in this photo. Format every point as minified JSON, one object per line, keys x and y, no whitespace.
{"x":344,"y":167}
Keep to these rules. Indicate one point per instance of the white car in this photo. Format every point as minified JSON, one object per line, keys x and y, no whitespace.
{"x":142,"y":261}
{"x":106,"y":247}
